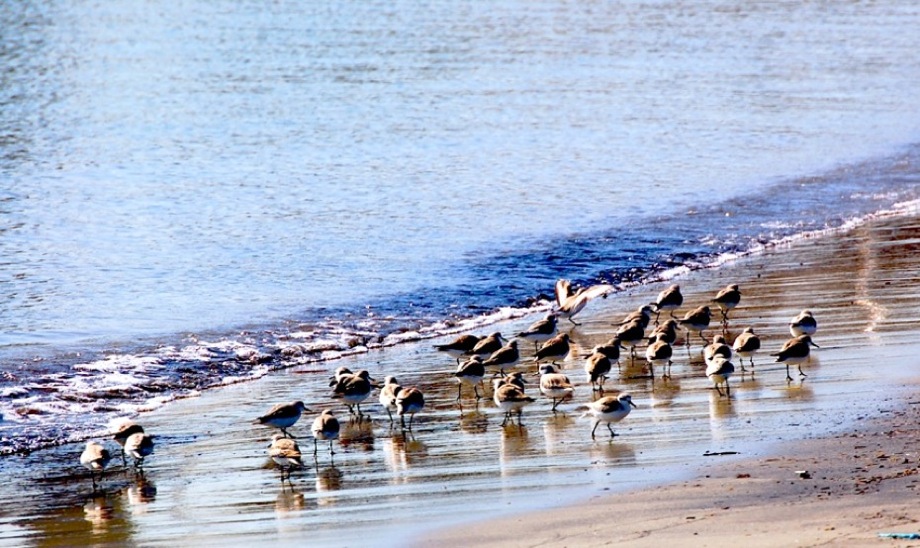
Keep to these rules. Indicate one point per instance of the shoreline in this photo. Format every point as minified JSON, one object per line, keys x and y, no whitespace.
{"x":210,"y":463}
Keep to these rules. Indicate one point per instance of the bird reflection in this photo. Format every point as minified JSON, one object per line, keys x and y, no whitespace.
{"x":720,"y":407}
{"x":98,"y":511}
{"x":358,"y":434}
{"x":621,"y":454}
{"x":289,"y":501}
{"x":328,"y":479}
{"x":515,"y":443}
{"x":141,"y":492}
{"x":474,"y":422}
{"x":554,"y":432}
{"x":403,"y":451}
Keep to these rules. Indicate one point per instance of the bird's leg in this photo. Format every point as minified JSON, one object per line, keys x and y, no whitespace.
{"x":719,"y":390}
{"x":728,"y":388}
{"x":609,"y":427}
{"x":505,"y":421}
{"x":314,"y":448}
{"x":596,"y":422}
{"x":331,"y":452}
{"x":459,"y":392}
{"x":800,"y":371}
{"x":476,"y":393}
{"x":788,"y":377}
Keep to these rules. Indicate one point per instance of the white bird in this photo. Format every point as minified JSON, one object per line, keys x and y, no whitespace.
{"x":409,"y":401}
{"x":283,"y":415}
{"x":555,"y":385}
{"x":659,"y":353}
{"x":354,"y":389}
{"x":470,"y":373}
{"x":610,"y":409}
{"x":745,"y":345}
{"x":121,"y":430}
{"x":719,"y":370}
{"x":325,"y":428}
{"x":388,"y":395}
{"x":569,"y":304}
{"x":286,"y":454}
{"x":727,"y":299}
{"x":139,"y":445}
{"x":795,"y":351}
{"x":803,"y":324}
{"x":510,"y":398}
{"x":718,"y":347}
{"x":95,"y":458}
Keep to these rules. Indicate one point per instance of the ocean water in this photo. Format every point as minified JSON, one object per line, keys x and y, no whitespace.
{"x":198,"y":193}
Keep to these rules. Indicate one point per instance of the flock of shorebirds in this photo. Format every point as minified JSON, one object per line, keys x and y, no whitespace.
{"x":489,"y":356}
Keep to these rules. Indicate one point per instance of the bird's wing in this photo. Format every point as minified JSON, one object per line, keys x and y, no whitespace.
{"x":563,"y":291}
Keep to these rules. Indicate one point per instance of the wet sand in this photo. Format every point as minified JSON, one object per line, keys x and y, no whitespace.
{"x":210,"y":480}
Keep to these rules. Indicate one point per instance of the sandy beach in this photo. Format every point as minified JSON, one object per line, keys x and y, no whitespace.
{"x":851,"y":425}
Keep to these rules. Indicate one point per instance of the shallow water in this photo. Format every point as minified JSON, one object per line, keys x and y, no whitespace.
{"x":210,"y":479}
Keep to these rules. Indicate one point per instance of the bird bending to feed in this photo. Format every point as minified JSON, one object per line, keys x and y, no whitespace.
{"x":388,"y":395}
{"x":597,"y":366}
{"x":487,"y":345}
{"x":666,"y":332}
{"x":121,"y":430}
{"x":555,"y":385}
{"x":803,"y":324}
{"x":570,"y":304}
{"x":95,"y":458}
{"x":506,"y":355}
{"x":286,"y":454}
{"x":540,"y":331}
{"x":727,"y":299}
{"x":746,"y":344}
{"x":718,"y":347}
{"x":516,"y":378}
{"x":630,"y":335}
{"x":354,"y":389}
{"x":409,"y":401}
{"x":719,"y":370}
{"x":459,"y":346}
{"x":139,"y":445}
{"x":470,"y":373}
{"x":609,"y":409}
{"x":669,"y":300}
{"x":642,"y":316}
{"x":659,"y":353}
{"x":554,"y":349}
{"x":697,"y":320}
{"x":340,"y":373}
{"x":795,"y":351}
{"x":510,"y":398}
{"x":283,"y":415}
{"x":325,"y":428}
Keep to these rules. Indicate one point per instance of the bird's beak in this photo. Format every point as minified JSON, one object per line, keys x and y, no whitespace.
{"x":633,"y":405}
{"x":813,"y":344}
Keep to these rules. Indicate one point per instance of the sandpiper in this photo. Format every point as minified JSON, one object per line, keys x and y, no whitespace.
{"x":669,"y":299}
{"x":666,"y":332}
{"x":554,"y":349}
{"x":340,"y":373}
{"x":459,"y":346}
{"x":795,"y":351}
{"x":719,"y":369}
{"x":121,"y":430}
{"x":95,"y":458}
{"x":510,"y":398}
{"x":570,"y":304}
{"x":540,"y":331}
{"x":487,"y":345}
{"x":610,"y":409}
{"x":642,"y":316}
{"x":388,"y":394}
{"x":409,"y":401}
{"x":506,"y":355}
{"x":745,"y":345}
{"x":555,"y":385}
{"x":516,"y":378}
{"x":139,"y":445}
{"x":354,"y":389}
{"x":697,"y":320}
{"x":325,"y":428}
{"x":659,"y":353}
{"x":283,"y":415}
{"x":285,"y":453}
{"x":597,"y":366}
{"x":718,"y":347}
{"x":727,"y":299}
{"x":470,"y":373}
{"x":630,"y":335}
{"x":803,"y":324}
{"x":611,"y":349}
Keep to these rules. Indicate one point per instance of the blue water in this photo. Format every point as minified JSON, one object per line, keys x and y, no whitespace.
{"x":175,"y":174}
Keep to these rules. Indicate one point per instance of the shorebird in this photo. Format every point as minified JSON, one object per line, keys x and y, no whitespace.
{"x":540,"y":331}
{"x":139,"y":445}
{"x":570,"y":304}
{"x":516,"y":378}
{"x":697,"y":320}
{"x":597,"y":366}
{"x":642,"y":316}
{"x":803,"y":324}
{"x":727,"y":299}
{"x":746,"y":344}
{"x":609,"y":409}
{"x":285,"y":453}
{"x":510,"y":398}
{"x":669,"y":299}
{"x":409,"y":401}
{"x":555,"y":385}
{"x":325,"y":428}
{"x":795,"y":351}
{"x":470,"y":373}
{"x":459,"y":346}
{"x":388,"y":395}
{"x":630,"y":335}
{"x":611,"y":349}
{"x":718,"y":347}
{"x":95,"y":458}
{"x":283,"y":415}
{"x":121,"y":430}
{"x":354,"y":389}
{"x":719,"y":370}
{"x":659,"y":353}
{"x":506,"y":355}
{"x":666,"y":332}
{"x":487,"y":345}
{"x":554,"y":349}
